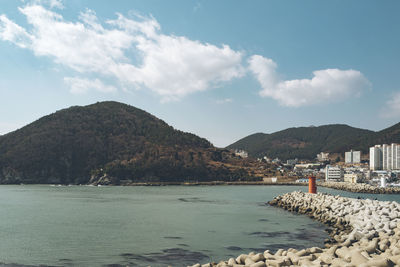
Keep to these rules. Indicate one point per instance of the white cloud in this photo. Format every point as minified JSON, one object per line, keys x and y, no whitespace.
{"x":83,"y":46}
{"x":171,"y":66}
{"x":329,"y":85}
{"x":56,"y":4}
{"x":50,"y":3}
{"x":9,"y":31}
{"x":392,"y":107}
{"x":174,"y":66}
{"x":81,"y":85}
{"x":134,"y":53}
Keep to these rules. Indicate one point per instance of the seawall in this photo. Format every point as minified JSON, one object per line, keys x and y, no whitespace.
{"x":360,"y":188}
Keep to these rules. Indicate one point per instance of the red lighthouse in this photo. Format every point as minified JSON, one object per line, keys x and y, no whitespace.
{"x":312,"y":186}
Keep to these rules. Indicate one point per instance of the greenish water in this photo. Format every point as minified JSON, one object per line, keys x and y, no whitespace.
{"x":140,"y":226}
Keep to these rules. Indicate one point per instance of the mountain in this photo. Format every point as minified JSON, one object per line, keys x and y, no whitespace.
{"x":108,"y":142}
{"x":307,"y":142}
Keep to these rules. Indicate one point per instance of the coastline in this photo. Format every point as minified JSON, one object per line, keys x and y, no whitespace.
{"x":211,"y":183}
{"x":350,"y":187}
{"x":362,"y":233}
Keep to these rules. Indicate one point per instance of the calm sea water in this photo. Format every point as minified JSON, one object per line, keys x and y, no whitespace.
{"x":140,"y":226}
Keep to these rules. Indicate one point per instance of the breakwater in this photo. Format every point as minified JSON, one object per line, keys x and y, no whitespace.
{"x":363,"y":233}
{"x":360,"y":188}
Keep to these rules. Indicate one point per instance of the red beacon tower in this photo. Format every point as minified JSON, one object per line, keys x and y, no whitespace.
{"x":312,"y":185}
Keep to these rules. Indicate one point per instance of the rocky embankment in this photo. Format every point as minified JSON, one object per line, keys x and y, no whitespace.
{"x":360,"y":188}
{"x":363,"y":233}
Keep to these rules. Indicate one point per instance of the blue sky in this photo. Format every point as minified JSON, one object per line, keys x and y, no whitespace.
{"x":219,"y":69}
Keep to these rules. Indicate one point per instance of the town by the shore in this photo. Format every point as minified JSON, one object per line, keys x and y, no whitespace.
{"x":363,"y":232}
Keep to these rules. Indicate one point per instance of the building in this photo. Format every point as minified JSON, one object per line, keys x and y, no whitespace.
{"x":398,"y":157}
{"x":241,"y":153}
{"x":386,"y":152}
{"x":352,"y":177}
{"x":323,"y":156}
{"x":270,"y":179}
{"x":352,"y":157}
{"x":348,"y":157}
{"x":267,"y":159}
{"x":375,"y":158}
{"x":384,"y":157}
{"x":307,"y":165}
{"x":276,"y":160}
{"x":395,"y":156}
{"x":291,"y":161}
{"x":333,"y":173}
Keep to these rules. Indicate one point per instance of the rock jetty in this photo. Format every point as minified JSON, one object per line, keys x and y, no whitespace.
{"x":360,"y":188}
{"x":363,"y":233}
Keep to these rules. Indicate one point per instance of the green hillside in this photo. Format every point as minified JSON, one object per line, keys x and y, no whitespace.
{"x":111,"y":140}
{"x":307,"y":142}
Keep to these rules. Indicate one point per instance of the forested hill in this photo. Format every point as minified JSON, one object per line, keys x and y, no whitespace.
{"x":307,"y":142}
{"x":110,"y":141}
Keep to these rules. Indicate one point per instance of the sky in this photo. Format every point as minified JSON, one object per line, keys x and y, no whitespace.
{"x":219,"y":69}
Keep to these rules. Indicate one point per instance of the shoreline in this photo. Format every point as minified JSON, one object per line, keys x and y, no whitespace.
{"x":343,"y":186}
{"x":354,"y":188}
{"x":212,"y":183}
{"x":362,"y":233}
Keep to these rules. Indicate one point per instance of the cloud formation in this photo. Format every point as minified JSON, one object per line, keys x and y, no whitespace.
{"x":171,"y":66}
{"x":9,"y":31}
{"x":82,"y":85}
{"x":50,"y":3}
{"x":133,"y":53}
{"x":392,"y":107}
{"x":329,"y":85}
{"x":174,"y":66}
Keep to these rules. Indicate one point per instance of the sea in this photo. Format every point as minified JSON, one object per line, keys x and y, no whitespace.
{"x":50,"y":225}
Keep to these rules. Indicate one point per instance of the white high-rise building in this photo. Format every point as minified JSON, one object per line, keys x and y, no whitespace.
{"x":385,"y":157}
{"x":389,"y":158}
{"x":385,"y":152}
{"x":398,"y":157}
{"x":393,"y":156}
{"x":375,"y":158}
{"x":352,"y":157}
{"x":348,"y":157}
{"x":356,"y":156}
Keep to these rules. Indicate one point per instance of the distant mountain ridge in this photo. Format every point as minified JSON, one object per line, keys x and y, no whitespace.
{"x":108,"y":142}
{"x":307,"y":142}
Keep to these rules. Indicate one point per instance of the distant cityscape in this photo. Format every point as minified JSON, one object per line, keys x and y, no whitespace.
{"x":381,"y":167}
{"x":384,"y":157}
